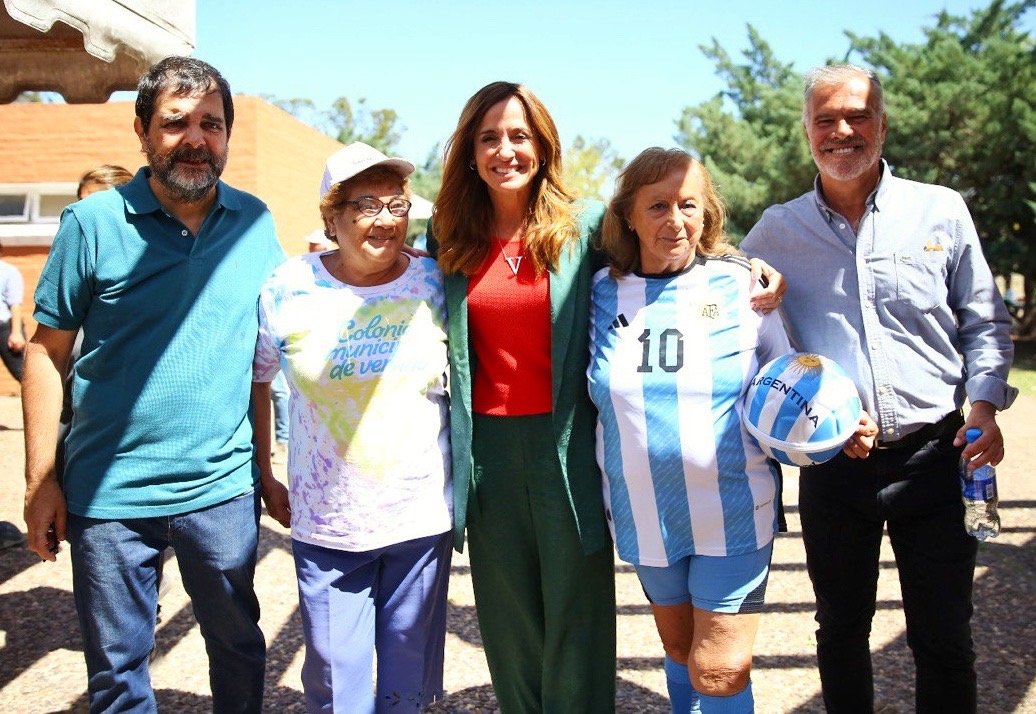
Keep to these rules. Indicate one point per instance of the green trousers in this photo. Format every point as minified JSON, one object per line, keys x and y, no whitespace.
{"x":546,"y":610}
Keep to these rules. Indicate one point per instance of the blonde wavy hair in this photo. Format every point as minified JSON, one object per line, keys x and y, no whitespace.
{"x":463,"y":219}
{"x":650,"y":166}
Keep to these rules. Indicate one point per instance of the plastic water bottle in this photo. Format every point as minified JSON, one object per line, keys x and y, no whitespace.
{"x":978,"y":489}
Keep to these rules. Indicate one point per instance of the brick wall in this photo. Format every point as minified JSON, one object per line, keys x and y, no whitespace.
{"x":280,"y":160}
{"x":42,"y":142}
{"x":291,"y":159}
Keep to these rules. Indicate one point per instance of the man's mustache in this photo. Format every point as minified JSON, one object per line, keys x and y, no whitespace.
{"x":189,"y":154}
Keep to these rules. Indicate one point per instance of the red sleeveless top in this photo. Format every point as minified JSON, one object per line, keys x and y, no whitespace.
{"x":509,"y":329}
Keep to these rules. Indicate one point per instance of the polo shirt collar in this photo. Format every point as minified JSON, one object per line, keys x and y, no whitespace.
{"x":140,"y":199}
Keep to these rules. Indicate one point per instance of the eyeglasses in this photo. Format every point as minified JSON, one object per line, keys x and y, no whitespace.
{"x":368,"y":206}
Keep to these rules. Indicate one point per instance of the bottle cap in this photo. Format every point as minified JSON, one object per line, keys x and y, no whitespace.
{"x":972,"y":434}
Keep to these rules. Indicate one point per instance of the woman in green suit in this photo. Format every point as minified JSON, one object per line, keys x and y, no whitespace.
{"x":517,"y":253}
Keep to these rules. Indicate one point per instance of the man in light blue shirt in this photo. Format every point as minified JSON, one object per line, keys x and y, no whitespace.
{"x":162,"y":275}
{"x":886,"y":276}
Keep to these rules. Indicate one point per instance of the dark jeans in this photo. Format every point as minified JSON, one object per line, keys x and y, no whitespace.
{"x":844,"y":505}
{"x":115,"y":583}
{"x":13,"y":361}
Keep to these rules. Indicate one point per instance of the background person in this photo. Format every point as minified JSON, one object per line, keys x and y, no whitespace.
{"x":691,"y":498}
{"x":895,"y":290}
{"x":12,"y":331}
{"x":12,"y":348}
{"x":102,"y":178}
{"x":317,"y":242}
{"x":360,"y":333}
{"x":163,"y":276}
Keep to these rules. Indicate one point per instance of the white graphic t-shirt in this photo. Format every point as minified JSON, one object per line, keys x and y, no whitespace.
{"x":368,"y":455}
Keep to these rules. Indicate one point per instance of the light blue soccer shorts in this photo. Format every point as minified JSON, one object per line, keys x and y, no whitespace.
{"x":729,"y":583}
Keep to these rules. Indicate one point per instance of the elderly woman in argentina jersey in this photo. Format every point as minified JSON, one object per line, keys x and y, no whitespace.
{"x":691,"y":499}
{"x":360,"y":333}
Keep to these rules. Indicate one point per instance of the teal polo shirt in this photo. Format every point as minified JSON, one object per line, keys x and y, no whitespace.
{"x":161,"y":391}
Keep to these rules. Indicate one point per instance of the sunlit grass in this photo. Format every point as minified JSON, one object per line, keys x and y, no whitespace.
{"x":1023,"y":372}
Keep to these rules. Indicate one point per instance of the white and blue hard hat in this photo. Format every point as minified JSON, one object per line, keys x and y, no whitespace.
{"x":801,"y":408}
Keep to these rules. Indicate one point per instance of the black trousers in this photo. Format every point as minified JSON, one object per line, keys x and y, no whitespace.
{"x":14,"y":362}
{"x":844,"y":505}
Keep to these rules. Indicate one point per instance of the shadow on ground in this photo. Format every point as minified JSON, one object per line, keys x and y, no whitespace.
{"x":42,"y":620}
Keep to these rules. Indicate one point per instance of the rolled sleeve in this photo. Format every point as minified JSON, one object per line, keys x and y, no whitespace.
{"x":986,"y":388}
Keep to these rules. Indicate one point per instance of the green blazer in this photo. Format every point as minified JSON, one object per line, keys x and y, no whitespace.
{"x":574,"y":416}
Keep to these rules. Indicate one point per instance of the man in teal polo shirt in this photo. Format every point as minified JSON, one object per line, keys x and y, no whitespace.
{"x":162,"y":275}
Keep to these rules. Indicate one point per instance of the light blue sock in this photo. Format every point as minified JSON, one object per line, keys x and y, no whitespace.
{"x":741,"y":703}
{"x":683,"y":697}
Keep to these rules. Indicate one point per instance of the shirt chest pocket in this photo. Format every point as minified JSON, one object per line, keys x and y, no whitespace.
{"x":921,"y":279}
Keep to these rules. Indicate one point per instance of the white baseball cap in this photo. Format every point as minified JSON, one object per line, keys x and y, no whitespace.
{"x":354,"y":158}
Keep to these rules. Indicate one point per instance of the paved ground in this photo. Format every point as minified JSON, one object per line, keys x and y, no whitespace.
{"x":41,"y":667}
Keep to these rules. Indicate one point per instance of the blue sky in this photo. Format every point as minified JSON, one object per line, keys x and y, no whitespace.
{"x":617,"y":70}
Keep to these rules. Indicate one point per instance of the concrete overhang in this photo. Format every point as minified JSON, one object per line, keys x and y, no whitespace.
{"x":87,"y":49}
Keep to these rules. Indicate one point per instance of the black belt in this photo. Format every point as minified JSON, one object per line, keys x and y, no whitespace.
{"x":949,"y":424}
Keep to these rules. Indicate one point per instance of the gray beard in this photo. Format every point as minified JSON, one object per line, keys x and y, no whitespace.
{"x":841,"y":172}
{"x":190,"y":188}
{"x":184,"y":191}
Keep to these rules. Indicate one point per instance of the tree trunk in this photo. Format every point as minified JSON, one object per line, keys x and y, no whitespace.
{"x":1027,"y":326}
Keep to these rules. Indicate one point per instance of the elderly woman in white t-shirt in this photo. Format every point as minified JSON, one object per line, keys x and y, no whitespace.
{"x":359,"y":332}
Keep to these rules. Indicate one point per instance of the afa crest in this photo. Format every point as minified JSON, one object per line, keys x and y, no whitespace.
{"x":804,"y":363}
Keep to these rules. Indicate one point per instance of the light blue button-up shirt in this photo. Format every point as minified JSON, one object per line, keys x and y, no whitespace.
{"x":906,"y":304}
